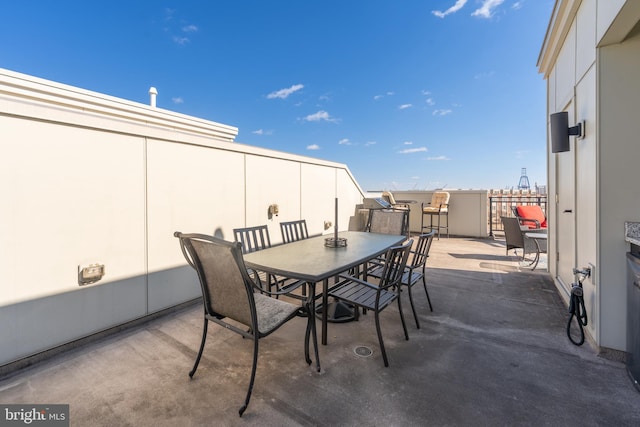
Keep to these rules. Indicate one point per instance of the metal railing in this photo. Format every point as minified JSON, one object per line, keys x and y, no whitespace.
{"x":503,"y":205}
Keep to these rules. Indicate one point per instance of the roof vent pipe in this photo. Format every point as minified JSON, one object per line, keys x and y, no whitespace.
{"x":153,"y":92}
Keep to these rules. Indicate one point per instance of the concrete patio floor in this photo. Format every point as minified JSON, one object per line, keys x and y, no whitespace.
{"x":493,"y":352}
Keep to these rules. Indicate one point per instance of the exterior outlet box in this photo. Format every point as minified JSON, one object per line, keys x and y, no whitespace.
{"x":90,"y":274}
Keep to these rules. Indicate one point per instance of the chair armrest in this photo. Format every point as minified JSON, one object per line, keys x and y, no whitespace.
{"x":257,"y":285}
{"x":357,"y":280}
{"x":535,"y":230}
{"x":525,"y":220}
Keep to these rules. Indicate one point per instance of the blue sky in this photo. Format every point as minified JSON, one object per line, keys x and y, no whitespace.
{"x":410,"y":94}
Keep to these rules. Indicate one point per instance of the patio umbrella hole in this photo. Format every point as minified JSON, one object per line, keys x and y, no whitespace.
{"x":362,"y":351}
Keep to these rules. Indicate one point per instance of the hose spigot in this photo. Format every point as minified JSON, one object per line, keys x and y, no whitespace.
{"x":585,"y":272}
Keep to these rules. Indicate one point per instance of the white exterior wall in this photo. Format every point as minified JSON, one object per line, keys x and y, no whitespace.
{"x":468,"y":211}
{"x":87,"y":178}
{"x":590,"y":62}
{"x":619,"y":153}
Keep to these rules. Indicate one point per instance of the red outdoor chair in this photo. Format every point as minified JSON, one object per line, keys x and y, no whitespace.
{"x":531,"y":216}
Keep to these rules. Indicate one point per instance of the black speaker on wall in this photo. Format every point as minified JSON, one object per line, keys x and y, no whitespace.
{"x":559,"y":132}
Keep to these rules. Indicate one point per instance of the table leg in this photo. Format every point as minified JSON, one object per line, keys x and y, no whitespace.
{"x":312,"y":318}
{"x":325,"y":304}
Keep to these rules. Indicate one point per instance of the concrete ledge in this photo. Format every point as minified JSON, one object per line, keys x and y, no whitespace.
{"x":14,"y":367}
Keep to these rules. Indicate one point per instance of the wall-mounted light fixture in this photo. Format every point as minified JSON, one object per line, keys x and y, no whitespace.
{"x":273,"y":210}
{"x":560,"y":131}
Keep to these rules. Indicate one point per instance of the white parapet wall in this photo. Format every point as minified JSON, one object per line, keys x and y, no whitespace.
{"x":91,"y":179}
{"x":468,"y":211}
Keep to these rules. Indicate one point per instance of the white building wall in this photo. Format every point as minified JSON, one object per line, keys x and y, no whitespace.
{"x":468,"y":211}
{"x":87,"y":178}
{"x":619,"y":201}
{"x":566,"y":71}
{"x":607,"y":11}
{"x":586,"y":191}
{"x":592,"y":74}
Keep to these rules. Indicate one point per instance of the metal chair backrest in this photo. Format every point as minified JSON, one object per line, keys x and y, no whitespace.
{"x":293,"y":231}
{"x":395,"y":263}
{"x":421,"y":251}
{"x":252,"y":239}
{"x":386,"y":221}
{"x":227,"y":289}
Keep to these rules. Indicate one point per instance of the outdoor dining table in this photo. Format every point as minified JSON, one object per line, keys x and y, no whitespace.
{"x":310,"y":260}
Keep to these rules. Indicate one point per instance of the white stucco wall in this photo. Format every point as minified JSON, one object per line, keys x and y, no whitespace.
{"x":591,"y":62}
{"x":87,"y":178}
{"x":619,"y":201}
{"x":468,"y":211}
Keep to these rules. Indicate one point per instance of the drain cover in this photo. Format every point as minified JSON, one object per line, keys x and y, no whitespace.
{"x":362,"y":351}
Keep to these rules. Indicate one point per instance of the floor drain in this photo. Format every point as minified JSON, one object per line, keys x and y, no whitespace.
{"x":363,"y":351}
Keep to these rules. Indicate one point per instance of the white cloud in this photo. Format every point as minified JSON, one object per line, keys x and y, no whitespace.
{"x":378,"y":97}
{"x":177,"y":100}
{"x":441,"y":112}
{"x":486,"y":10}
{"x":404,"y":106}
{"x":177,"y":32}
{"x":262,"y":132}
{"x":438,"y":158}
{"x":313,"y":147}
{"x":413,"y":150}
{"x":181,"y":40}
{"x":430,"y":101}
{"x":283,"y":93}
{"x":517,"y":5}
{"x":408,"y":143}
{"x":370,"y":143}
{"x":453,"y":9}
{"x":344,"y":141}
{"x":426,"y":93}
{"x":320,"y":115}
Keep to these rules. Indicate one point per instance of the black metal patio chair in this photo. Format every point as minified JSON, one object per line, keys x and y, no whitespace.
{"x":414,"y":271}
{"x":257,"y":238}
{"x":252,"y":238}
{"x":293,"y":231}
{"x":228,"y":292}
{"x":377,"y":297}
{"x":388,"y":221}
